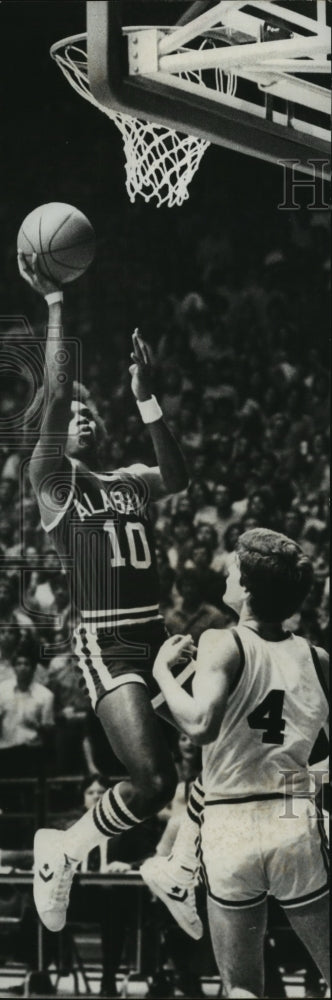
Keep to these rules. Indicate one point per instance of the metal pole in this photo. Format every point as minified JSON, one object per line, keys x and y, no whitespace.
{"x":254,"y":54}
{"x":139,"y":939}
{"x":40,"y":947}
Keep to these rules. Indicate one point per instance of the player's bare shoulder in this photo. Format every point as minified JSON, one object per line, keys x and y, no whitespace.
{"x":218,"y":647}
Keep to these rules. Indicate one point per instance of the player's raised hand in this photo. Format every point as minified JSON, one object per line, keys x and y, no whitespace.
{"x":141,"y":369}
{"x":30,"y":270}
{"x":176,"y":649}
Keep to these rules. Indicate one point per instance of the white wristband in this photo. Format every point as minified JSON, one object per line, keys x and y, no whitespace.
{"x":150,"y":410}
{"x":53,"y":297}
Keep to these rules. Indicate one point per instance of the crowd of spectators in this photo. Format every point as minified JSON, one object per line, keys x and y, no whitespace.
{"x":240,"y":371}
{"x":241,"y":376}
{"x":234,"y":299}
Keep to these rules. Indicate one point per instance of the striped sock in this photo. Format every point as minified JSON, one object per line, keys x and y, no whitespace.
{"x":109,"y":818}
{"x":185,"y":854}
{"x":196,"y":801}
{"x":111,"y":815}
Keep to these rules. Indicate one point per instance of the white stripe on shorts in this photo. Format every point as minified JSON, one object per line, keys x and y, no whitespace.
{"x":110,"y":622}
{"x":108,"y":682}
{"x":107,"y":613}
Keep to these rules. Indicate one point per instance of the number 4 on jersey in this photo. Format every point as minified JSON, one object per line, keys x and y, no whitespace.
{"x":268,"y":716}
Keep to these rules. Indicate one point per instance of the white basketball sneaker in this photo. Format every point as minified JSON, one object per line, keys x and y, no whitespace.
{"x":178,"y":895}
{"x":53,"y":875}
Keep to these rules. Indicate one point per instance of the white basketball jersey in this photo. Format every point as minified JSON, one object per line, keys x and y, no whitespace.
{"x":271,"y":722}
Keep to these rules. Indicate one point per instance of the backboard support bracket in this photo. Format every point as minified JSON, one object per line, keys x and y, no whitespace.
{"x":149,"y":98}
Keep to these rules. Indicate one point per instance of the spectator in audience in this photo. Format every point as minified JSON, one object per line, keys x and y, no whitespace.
{"x":166,"y":577}
{"x":97,"y":750}
{"x":182,"y":533}
{"x":40,"y":593}
{"x":260,"y":506}
{"x":221,"y":445}
{"x":7,"y":640}
{"x":209,"y":415}
{"x":9,"y":479}
{"x":10,"y":610}
{"x":26,"y":716}
{"x":267,"y":466}
{"x":70,"y":710}
{"x":116,"y":454}
{"x":173,"y":385}
{"x":212,"y":582}
{"x":213,"y":382}
{"x":194,"y":614}
{"x":239,"y":473}
{"x":200,"y":497}
{"x":6,"y":532}
{"x":193,"y":319}
{"x":224,"y":555}
{"x":60,"y":608}
{"x":190,"y":435}
{"x":293,"y":525}
{"x":135,"y":440}
{"x":224,"y":512}
{"x":198,"y":465}
{"x":205,"y":532}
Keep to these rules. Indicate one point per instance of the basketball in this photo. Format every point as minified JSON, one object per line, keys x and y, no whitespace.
{"x":62,"y":237}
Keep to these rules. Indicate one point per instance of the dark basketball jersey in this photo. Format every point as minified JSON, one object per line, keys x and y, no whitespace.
{"x":104,"y":537}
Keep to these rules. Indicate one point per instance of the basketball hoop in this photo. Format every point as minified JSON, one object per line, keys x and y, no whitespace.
{"x":253,"y":78}
{"x":160,"y":162}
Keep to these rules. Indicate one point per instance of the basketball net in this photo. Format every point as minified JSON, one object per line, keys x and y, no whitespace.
{"x":160,"y":162}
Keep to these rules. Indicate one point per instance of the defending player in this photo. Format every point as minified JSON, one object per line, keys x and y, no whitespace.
{"x":100,"y":527}
{"x":259,"y":701}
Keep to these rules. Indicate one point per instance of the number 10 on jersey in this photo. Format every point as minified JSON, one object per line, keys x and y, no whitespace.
{"x":135,"y":533}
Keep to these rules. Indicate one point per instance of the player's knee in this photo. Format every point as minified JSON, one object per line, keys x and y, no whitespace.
{"x":158,"y":787}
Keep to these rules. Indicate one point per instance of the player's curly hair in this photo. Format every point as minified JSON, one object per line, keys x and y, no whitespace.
{"x":34,"y":415}
{"x":275,"y":571}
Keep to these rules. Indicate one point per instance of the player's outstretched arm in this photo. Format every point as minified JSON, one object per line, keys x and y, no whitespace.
{"x":199,"y":715}
{"x":58,"y":378}
{"x":170,"y":460}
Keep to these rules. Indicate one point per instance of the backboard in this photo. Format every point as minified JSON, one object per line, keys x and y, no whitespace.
{"x":253,"y":77}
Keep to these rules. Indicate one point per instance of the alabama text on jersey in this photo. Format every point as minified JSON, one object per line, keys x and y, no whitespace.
{"x":104,"y":536}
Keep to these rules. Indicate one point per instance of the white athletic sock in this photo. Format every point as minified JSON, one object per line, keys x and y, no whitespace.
{"x":185,"y":853}
{"x":108,"y":818}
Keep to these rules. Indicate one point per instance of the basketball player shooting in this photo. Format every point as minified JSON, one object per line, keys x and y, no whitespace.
{"x":259,"y":701}
{"x":102,"y":520}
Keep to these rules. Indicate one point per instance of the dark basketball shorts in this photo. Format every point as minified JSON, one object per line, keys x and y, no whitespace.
{"x":106,"y":659}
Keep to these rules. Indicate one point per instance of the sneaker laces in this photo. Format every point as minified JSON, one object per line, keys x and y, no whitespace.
{"x":63,"y":877}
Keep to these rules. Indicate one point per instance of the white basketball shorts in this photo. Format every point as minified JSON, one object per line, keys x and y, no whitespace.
{"x":252,"y":848}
